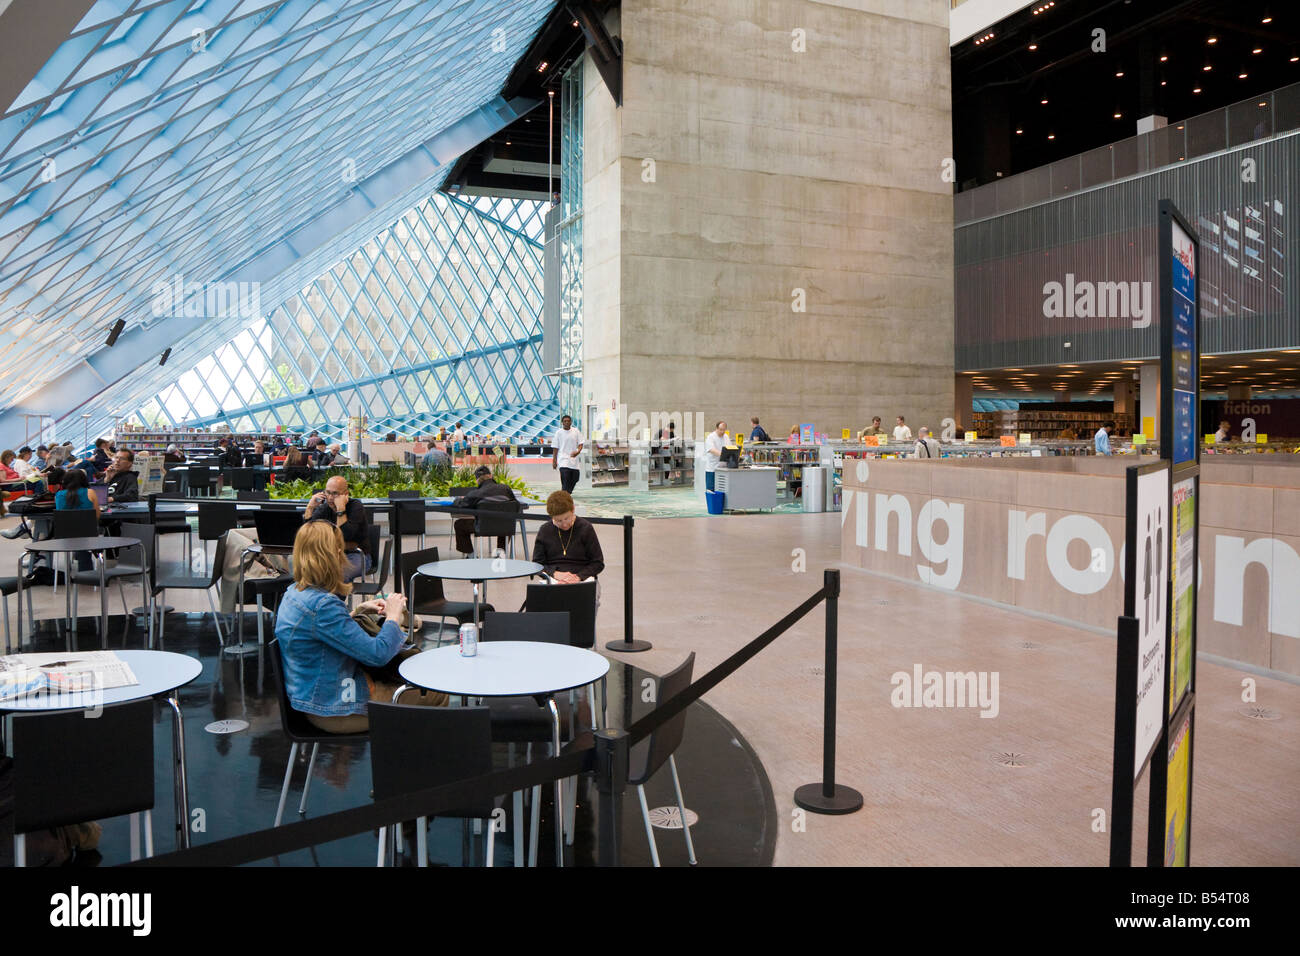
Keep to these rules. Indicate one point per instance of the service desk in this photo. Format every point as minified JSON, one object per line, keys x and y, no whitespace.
{"x":746,"y":488}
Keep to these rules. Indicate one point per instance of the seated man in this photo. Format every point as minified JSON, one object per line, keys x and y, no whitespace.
{"x":435,"y":457}
{"x":566,"y":546}
{"x":336,"y":455}
{"x":487,"y":490}
{"x":28,"y":472}
{"x":349,"y":516}
{"x":123,"y":482}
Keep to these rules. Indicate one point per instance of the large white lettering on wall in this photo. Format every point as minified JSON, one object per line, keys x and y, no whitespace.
{"x":1231,"y":558}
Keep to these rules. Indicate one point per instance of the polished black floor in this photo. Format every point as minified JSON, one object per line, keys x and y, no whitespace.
{"x":235,"y":778}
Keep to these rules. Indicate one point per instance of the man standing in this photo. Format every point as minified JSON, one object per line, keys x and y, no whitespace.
{"x":713,"y":445}
{"x":758,"y":433}
{"x":349,"y":514}
{"x":926,"y":447}
{"x":872,"y":429}
{"x":1101,"y":440}
{"x":901,"y":432}
{"x":568,"y":446}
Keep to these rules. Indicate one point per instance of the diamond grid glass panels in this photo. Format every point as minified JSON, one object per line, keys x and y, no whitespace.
{"x":180,"y":138}
{"x":437,"y":319}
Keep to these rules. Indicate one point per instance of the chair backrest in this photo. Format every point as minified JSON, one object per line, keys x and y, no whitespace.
{"x":68,"y":769}
{"x":492,"y":524}
{"x":665,"y":741}
{"x":200,"y":479}
{"x":578,"y":599}
{"x":146,"y":534}
{"x":461,"y":492}
{"x":294,"y":723}
{"x":384,"y":562}
{"x":404,"y":493}
{"x":80,"y":523}
{"x":548,"y":627}
{"x":407,"y":515}
{"x":241,"y":479}
{"x":415,"y":748}
{"x":372,"y":544}
{"x":216,"y":518}
{"x":426,"y":589}
{"x":242,"y":495}
{"x":218,"y":561}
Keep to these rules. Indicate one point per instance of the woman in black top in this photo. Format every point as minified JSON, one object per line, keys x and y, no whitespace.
{"x":567,"y":547}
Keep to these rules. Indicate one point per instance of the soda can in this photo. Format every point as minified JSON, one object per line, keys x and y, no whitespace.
{"x":469,"y":640}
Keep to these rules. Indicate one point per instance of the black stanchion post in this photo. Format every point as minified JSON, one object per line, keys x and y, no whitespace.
{"x":611,"y":782}
{"x":629,"y":643}
{"x":828,"y":796}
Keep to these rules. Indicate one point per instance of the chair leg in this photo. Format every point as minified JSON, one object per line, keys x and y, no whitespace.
{"x":20,"y":849}
{"x":161,"y":602}
{"x":421,"y":841}
{"x":306,"y":787}
{"x":135,"y":837}
{"x":536,"y":825}
{"x":383,"y":845}
{"x":284,"y":791}
{"x":216,"y":618}
{"x":649,"y":830}
{"x":5,"y":599}
{"x":148,"y":833}
{"x":492,"y":832}
{"x":517,"y":823}
{"x":681,"y":808}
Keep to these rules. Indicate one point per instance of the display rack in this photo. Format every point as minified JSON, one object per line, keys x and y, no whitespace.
{"x":661,"y":465}
{"x":605,"y":463}
{"x":1047,"y":424}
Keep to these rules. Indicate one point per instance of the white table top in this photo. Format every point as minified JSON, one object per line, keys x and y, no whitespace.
{"x":479,"y":569}
{"x":505,"y":669}
{"x":157,"y":672}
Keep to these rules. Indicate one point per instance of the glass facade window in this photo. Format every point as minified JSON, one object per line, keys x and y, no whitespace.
{"x":570,"y":235}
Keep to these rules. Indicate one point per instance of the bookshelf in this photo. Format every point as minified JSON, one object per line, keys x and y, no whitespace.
{"x":660,"y":465}
{"x":154,"y":441}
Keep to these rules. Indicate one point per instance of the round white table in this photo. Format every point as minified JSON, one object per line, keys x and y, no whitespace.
{"x":510,"y":669}
{"x":158,"y":674}
{"x":478,"y":571}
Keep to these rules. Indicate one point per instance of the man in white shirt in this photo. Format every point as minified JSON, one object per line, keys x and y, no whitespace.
{"x":713,"y":445}
{"x":568,"y":446}
{"x":1221,"y":435}
{"x":901,"y":432}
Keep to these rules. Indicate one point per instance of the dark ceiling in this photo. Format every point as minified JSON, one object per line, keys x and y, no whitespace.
{"x":1154,"y":62}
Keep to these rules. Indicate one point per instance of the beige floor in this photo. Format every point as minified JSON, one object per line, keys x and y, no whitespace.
{"x":934,"y":794}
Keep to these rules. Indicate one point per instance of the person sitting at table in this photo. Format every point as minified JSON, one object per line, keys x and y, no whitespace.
{"x":336,"y":506}
{"x":256,"y":457}
{"x":100,"y":460}
{"x":566,"y":546}
{"x":336,"y":455}
{"x":9,"y":477}
{"x":435,"y":457}
{"x":122,"y":480}
{"x":295,"y":467}
{"x":488,"y":490}
{"x":28,"y":472}
{"x":75,"y":496}
{"x":173,"y":455}
{"x":332,"y":667}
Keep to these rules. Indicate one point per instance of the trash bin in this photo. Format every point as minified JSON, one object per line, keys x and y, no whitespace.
{"x":714,"y":500}
{"x":814,"y":488}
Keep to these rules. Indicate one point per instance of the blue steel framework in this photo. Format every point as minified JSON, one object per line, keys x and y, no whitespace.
{"x":221,"y":140}
{"x":569,"y":392}
{"x":434,"y":321}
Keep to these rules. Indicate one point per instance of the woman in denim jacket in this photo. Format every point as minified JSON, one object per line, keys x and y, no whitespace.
{"x":323,"y":648}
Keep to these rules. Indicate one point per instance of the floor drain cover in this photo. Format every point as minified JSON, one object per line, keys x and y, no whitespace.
{"x":1006,"y":758}
{"x":670,"y":818}
{"x":1029,"y":645}
{"x":882,"y":602}
{"x":226,"y":726}
{"x":817,"y":670}
{"x":1260,"y":713}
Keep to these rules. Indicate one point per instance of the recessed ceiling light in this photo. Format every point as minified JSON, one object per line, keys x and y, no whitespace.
{"x":1164,"y":82}
{"x":1212,"y":40}
{"x":1164,"y":59}
{"x":1120,"y":73}
{"x":1267,"y":20}
{"x":1043,"y":101}
{"x":1197,"y":90}
{"x":1180,"y":126}
{"x":1051,"y":136}
{"x":1263,"y":103}
{"x":1119,"y":115}
{"x":1207,"y":68}
{"x":1241,"y":76}
{"x":1257,"y":49}
{"x":1033,"y":46}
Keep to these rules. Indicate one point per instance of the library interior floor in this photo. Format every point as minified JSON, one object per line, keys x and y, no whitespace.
{"x":941,"y":786}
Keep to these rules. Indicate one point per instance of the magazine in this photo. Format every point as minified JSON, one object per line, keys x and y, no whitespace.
{"x":62,"y":673}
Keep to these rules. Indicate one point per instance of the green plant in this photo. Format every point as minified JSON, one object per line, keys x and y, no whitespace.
{"x":377,"y":481}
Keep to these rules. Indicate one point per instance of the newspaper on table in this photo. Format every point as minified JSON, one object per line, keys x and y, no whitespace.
{"x":62,"y":673}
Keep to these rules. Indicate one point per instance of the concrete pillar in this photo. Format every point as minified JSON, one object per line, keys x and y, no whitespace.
{"x":1238,"y":393}
{"x":963,"y":402}
{"x":1149,"y":381}
{"x":767,"y":221}
{"x":1125,"y":400}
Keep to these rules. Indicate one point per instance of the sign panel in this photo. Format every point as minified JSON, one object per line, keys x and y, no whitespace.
{"x":1177,"y":793}
{"x":1184,"y":354}
{"x":1150,"y":595}
{"x":806,"y":434}
{"x":1183,"y":571}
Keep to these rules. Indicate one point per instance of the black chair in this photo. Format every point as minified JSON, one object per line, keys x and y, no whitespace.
{"x":142,"y":567}
{"x":651,"y":754}
{"x":492,"y":522}
{"x":300,"y":731}
{"x":425,"y":596}
{"x":245,"y":519}
{"x":578,"y":599}
{"x":9,"y":586}
{"x":455,"y":493}
{"x":67,"y":770}
{"x":417,"y":748}
{"x":406,"y":516}
{"x":367,"y":588}
{"x":202,"y":481}
{"x":188,"y":582}
{"x":243,"y":479}
{"x":215,"y":519}
{"x":165,"y":523}
{"x":79,"y":523}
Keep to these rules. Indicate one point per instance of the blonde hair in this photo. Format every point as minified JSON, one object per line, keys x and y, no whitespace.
{"x":318,"y":558}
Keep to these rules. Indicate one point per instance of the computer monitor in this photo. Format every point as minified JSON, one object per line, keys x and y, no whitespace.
{"x":731,"y":457}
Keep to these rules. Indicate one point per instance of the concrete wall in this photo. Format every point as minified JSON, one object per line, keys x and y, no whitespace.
{"x":742,"y":170}
{"x":951,"y":524}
